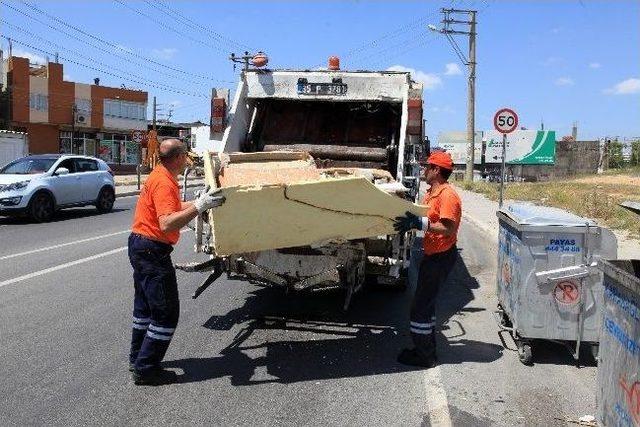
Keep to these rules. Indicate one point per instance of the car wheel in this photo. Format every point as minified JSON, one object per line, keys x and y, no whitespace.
{"x":41,"y":207}
{"x":105,"y":201}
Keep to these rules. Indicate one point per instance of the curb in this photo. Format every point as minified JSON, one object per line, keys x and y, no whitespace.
{"x":483,"y":227}
{"x":136,"y":192}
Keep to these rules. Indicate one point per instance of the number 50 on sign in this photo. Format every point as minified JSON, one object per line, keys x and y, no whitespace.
{"x":505,"y":120}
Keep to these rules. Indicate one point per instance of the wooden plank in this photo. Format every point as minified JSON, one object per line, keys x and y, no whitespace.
{"x":334,"y":152}
{"x":300,"y":214}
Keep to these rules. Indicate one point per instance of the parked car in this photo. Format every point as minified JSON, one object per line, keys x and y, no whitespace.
{"x":39,"y":185}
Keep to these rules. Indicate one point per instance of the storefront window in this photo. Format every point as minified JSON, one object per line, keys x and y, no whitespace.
{"x":84,"y":143}
{"x":105,"y":151}
{"x":119,"y":148}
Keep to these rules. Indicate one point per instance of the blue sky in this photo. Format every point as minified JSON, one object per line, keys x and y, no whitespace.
{"x":557,"y":61}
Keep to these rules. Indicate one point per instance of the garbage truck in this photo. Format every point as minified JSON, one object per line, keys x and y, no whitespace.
{"x":365,"y":123}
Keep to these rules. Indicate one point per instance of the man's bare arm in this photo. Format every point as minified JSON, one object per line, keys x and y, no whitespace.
{"x":177,"y":220}
{"x":446,"y":227}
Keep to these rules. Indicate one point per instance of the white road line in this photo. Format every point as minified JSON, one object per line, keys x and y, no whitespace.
{"x":437,"y":404}
{"x":68,"y":264}
{"x":61,"y":266}
{"x":63,"y":245}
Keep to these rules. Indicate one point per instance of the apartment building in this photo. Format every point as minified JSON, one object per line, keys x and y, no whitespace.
{"x":62,"y":116}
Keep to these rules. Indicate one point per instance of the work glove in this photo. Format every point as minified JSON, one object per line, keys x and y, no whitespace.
{"x":407,"y":222}
{"x":208,"y":199}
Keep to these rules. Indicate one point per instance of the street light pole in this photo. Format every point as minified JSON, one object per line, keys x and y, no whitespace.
{"x":448,"y":30}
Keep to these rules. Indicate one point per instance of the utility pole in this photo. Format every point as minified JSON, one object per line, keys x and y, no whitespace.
{"x":154,"y":114}
{"x":74,"y":113}
{"x":244,"y":59}
{"x":451,"y":16}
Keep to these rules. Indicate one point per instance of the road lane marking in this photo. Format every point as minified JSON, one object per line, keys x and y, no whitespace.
{"x":48,"y":248}
{"x":68,"y":264}
{"x":437,"y":404}
{"x":61,"y":266}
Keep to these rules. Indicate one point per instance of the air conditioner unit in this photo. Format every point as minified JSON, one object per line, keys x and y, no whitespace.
{"x":81,"y":119}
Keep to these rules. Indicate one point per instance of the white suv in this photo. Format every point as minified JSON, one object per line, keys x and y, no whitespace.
{"x":39,"y":185}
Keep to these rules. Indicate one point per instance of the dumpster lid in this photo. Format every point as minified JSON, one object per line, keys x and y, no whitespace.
{"x":530,"y":214}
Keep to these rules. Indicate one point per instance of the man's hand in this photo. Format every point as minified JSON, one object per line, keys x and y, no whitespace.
{"x":208,"y":199}
{"x":407,"y":222}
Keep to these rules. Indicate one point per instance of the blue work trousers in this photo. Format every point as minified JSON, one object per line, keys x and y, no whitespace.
{"x":434,"y":270}
{"x":156,"y":306}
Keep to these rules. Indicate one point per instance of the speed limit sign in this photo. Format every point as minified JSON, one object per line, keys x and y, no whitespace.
{"x":505,"y":121}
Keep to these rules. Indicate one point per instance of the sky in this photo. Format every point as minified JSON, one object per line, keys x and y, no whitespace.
{"x":556,"y":62}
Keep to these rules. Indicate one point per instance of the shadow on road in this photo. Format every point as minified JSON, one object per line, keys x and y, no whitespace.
{"x":62,"y":215}
{"x":306,"y":337}
{"x":455,"y":298}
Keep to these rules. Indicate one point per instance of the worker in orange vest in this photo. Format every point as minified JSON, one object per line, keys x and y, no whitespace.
{"x":440,"y":226}
{"x":159,"y":216}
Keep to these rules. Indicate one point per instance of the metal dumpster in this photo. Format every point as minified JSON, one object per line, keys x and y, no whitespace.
{"x":548,"y":283}
{"x":618,"y":394}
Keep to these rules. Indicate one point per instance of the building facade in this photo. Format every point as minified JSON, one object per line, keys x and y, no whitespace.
{"x":67,"y":117}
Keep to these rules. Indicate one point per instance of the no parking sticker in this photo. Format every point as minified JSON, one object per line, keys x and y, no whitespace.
{"x":567,"y":293}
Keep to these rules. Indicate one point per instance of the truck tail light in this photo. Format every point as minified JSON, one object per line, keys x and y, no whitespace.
{"x":414,"y":125}
{"x":218,"y":114}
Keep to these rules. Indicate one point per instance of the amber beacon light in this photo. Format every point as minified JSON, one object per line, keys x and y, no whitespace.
{"x":334,"y":63}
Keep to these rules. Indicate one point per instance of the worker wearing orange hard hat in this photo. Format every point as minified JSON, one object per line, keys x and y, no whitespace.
{"x":440,"y":225}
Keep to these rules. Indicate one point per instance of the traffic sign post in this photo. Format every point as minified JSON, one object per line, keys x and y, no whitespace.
{"x":504,"y":121}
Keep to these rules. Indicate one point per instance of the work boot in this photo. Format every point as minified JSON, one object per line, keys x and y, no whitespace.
{"x":412,"y":357}
{"x":154,"y":378}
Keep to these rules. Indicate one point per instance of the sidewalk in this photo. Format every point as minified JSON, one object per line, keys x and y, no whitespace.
{"x":132,"y":179}
{"x":123,"y":190}
{"x":481,"y":212}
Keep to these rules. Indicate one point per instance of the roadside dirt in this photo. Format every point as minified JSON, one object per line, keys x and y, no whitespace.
{"x":609,"y":180}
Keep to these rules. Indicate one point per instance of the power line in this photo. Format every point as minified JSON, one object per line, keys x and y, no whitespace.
{"x":194,"y":24}
{"x":89,"y":58}
{"x":139,"y":12}
{"x":402,"y":47}
{"x":392,"y":34}
{"x":401,"y":52}
{"x":105,"y":72}
{"x":110,"y":44}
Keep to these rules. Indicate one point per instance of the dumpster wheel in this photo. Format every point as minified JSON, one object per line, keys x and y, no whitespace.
{"x":524,"y":352}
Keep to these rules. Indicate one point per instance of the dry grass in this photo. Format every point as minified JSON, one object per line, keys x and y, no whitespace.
{"x":592,"y":200}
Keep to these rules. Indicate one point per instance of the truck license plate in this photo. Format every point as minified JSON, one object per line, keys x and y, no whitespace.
{"x":322,"y":88}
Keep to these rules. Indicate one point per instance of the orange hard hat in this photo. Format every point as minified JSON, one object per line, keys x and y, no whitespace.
{"x":442,"y":159}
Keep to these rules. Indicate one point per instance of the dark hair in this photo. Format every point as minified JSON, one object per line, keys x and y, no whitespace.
{"x":172,"y":152}
{"x":445,"y":173}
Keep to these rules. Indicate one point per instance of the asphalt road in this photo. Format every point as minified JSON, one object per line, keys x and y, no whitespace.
{"x":253,"y":356}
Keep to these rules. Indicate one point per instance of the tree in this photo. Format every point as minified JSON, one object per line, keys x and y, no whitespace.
{"x":4,"y":109}
{"x":635,"y":153}
{"x":616,"y":160}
